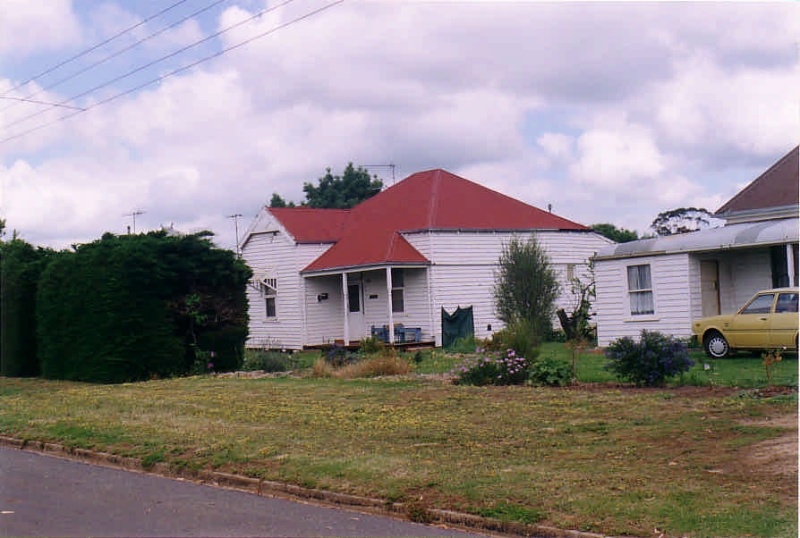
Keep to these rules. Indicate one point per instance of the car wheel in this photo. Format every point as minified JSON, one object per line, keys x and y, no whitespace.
{"x":715,"y":345}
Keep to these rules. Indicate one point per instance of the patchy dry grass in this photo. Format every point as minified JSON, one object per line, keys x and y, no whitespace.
{"x":688,"y":460}
{"x":375,"y":366}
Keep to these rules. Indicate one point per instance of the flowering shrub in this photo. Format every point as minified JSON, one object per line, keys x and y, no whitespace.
{"x":487,"y":369}
{"x":650,"y":361}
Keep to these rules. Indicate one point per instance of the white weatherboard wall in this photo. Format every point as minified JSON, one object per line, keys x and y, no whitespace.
{"x":670,"y":276}
{"x":464,"y":265}
{"x":276,"y":254}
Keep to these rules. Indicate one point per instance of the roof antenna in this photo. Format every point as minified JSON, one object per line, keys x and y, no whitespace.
{"x":390,"y":166}
{"x":549,"y":208}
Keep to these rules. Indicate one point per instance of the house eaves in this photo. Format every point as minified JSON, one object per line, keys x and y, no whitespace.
{"x":328,"y":271}
{"x":733,"y":236}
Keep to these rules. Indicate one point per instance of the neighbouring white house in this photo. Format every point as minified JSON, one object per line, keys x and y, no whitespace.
{"x":395,"y":264}
{"x":663,"y":283}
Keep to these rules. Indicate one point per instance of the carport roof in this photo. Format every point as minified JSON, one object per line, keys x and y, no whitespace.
{"x":747,"y":234}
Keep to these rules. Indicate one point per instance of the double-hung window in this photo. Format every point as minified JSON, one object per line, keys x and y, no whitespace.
{"x":398,"y":304}
{"x":640,"y":290}
{"x":270,"y":290}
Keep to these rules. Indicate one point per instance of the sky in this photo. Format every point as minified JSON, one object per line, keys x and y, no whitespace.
{"x":189,"y":112}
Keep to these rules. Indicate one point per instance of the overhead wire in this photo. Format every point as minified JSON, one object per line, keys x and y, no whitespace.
{"x":111,"y":56}
{"x":152,"y":63}
{"x":95,"y":47}
{"x":179,"y":70}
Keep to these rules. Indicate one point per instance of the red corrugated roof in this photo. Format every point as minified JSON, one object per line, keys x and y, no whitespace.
{"x":430,"y":200}
{"x":308,"y":225}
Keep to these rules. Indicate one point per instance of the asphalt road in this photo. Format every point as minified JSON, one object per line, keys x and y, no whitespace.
{"x":42,"y":495}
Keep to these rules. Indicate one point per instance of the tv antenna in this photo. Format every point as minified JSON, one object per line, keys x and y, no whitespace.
{"x":236,"y":217}
{"x":134,"y":214}
{"x":391,"y":166}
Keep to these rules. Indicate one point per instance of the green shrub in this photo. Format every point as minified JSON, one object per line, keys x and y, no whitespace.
{"x":371,"y":346}
{"x":337,"y":356}
{"x":518,"y":337}
{"x":465,"y":344}
{"x":650,"y":361}
{"x":550,"y":371}
{"x":267,"y":361}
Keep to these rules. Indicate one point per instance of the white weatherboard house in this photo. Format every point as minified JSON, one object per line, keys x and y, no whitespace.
{"x":392,"y":263}
{"x":664,"y":283}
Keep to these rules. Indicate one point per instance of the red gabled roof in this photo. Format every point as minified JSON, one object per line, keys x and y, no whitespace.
{"x":777,"y":187}
{"x":430,"y":200}
{"x":309,"y":225}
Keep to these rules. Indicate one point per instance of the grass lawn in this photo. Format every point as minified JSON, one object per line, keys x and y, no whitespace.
{"x":690,"y":460}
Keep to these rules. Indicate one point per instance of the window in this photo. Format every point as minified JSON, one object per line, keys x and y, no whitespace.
{"x":398,"y":302}
{"x":640,"y":290}
{"x":787,"y":302}
{"x":270,"y":291}
{"x":762,"y":304}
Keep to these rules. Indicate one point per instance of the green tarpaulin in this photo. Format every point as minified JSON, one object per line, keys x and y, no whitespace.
{"x":457,"y":325}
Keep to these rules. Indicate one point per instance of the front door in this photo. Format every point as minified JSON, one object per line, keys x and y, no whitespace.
{"x":355,"y":306}
{"x":709,"y":287}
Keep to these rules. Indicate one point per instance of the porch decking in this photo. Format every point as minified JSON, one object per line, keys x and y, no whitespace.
{"x":355,"y":345}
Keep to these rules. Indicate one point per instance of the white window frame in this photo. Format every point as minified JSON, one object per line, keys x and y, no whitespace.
{"x":639,"y":289}
{"x":269,"y":292}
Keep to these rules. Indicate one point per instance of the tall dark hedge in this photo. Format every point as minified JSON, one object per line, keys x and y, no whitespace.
{"x":127,"y":308}
{"x":21,"y":266}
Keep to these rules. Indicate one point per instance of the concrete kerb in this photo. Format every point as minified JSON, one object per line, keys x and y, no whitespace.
{"x":268,"y":488}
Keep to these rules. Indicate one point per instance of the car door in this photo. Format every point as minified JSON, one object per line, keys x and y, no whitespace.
{"x":783,"y":323}
{"x":750,"y":327}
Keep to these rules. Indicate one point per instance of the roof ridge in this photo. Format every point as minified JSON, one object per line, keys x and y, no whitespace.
{"x":794,"y":152}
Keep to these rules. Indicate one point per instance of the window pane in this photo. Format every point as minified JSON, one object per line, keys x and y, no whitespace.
{"x":633,"y":278}
{"x":787,"y":302}
{"x":398,"y":304}
{"x":354,"y":297}
{"x":760,"y":305}
{"x":644,"y":277}
{"x":270,"y":307}
{"x":397,"y":278}
{"x":642,"y":303}
{"x":639,"y":277}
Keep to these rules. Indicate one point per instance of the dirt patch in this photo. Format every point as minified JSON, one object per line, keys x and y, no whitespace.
{"x":776,"y":456}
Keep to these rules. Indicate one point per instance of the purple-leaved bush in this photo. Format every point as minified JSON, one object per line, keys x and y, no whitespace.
{"x":650,"y":361}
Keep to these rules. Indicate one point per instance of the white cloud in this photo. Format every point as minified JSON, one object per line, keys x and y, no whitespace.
{"x":33,"y":27}
{"x":617,"y":155}
{"x":639,"y":105}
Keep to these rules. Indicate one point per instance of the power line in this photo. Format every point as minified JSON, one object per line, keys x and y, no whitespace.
{"x":95,"y":47}
{"x":118,"y":53}
{"x":152,"y":63}
{"x":26,"y":100}
{"x":179,"y":70}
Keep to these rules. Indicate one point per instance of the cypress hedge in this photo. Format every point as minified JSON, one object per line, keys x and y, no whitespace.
{"x":20,"y":268}
{"x":133,"y":307}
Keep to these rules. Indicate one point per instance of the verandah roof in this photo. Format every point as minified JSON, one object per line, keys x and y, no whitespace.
{"x":732,"y":236}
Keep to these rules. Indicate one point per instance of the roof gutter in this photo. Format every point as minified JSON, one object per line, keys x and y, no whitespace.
{"x":360,"y":268}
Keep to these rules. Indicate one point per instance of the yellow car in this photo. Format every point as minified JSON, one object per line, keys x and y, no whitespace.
{"x":767,"y":321}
